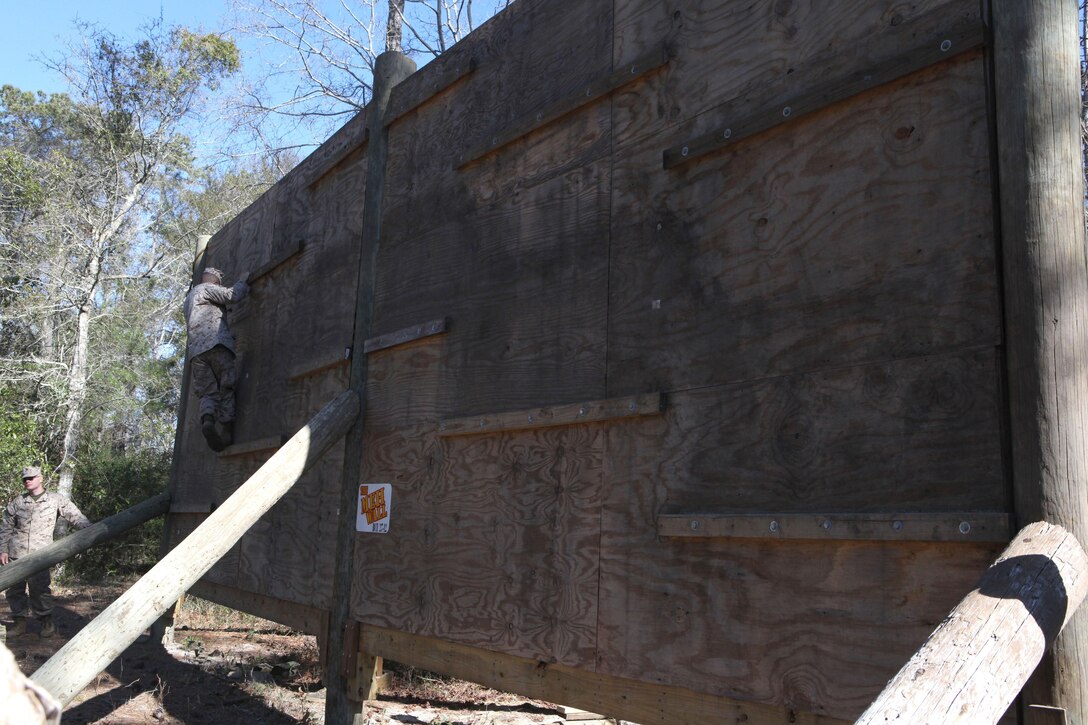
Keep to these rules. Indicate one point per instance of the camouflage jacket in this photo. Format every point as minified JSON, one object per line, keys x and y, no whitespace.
{"x":28,"y":522}
{"x":205,"y":307}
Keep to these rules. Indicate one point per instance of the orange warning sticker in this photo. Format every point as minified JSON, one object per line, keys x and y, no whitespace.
{"x":375,"y":503}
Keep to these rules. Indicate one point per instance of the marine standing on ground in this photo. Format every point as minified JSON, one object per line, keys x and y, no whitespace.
{"x":27,"y":526}
{"x":211,"y":353}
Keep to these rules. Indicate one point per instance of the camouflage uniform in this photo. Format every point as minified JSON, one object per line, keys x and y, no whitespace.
{"x":211,"y":346}
{"x":26,"y":527}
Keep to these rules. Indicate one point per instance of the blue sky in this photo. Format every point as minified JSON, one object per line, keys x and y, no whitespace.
{"x":39,"y":27}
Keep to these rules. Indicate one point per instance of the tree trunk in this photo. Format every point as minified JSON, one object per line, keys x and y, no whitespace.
{"x":394,"y":27}
{"x":77,"y":393}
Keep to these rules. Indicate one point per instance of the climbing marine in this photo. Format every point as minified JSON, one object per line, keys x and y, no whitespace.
{"x":211,"y":354}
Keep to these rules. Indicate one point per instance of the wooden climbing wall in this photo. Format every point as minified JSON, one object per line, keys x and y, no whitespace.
{"x":687,"y":355}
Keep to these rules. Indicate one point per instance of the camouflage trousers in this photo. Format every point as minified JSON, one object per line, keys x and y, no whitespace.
{"x":213,"y":383}
{"x":39,"y":602}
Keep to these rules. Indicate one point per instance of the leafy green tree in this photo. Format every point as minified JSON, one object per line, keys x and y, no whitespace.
{"x":88,"y":182}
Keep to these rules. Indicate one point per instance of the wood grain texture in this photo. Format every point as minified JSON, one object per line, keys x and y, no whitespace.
{"x":1040,"y":167}
{"x":96,"y":645}
{"x":755,"y":54}
{"x":494,"y":539}
{"x":973,"y":666}
{"x":810,"y":248}
{"x":954,"y":526}
{"x":595,"y":411}
{"x":524,"y":276}
{"x":406,"y":335}
{"x":647,"y":703}
{"x":815,"y":626}
{"x":739,"y":120}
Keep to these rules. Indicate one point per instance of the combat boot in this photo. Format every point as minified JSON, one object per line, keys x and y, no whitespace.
{"x":207,"y":427}
{"x":48,"y":628}
{"x":19,"y":628}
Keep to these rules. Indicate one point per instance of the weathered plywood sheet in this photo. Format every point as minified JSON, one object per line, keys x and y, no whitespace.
{"x":814,"y":625}
{"x":757,"y":53}
{"x":522,"y":280}
{"x":494,"y":541}
{"x":861,"y":233}
{"x":494,"y":537}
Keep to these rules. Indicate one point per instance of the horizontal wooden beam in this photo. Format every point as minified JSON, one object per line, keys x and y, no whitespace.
{"x":406,"y":335}
{"x":407,"y":96}
{"x":255,"y":446}
{"x":357,"y":138}
{"x":321,"y":365}
{"x":571,"y":414}
{"x":62,"y":549}
{"x":735,"y":127}
{"x":275,"y":264}
{"x":623,"y":75}
{"x":641,"y":702}
{"x":965,"y":526}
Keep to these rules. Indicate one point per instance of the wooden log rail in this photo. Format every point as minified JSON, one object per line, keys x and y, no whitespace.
{"x":976,"y":662}
{"x":62,"y":549}
{"x":80,"y":660}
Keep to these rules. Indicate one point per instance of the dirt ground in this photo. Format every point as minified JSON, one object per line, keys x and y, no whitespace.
{"x":229,"y":668}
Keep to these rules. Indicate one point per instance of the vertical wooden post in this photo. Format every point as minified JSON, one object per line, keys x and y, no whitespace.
{"x":1037,"y":88}
{"x":389,"y":70}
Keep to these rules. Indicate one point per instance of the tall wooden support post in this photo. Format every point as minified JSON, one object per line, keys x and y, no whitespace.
{"x":161,"y":625}
{"x":389,"y":70}
{"x":1037,"y":87}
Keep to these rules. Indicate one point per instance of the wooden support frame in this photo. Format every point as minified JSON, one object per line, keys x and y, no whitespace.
{"x":639,"y":702}
{"x":732,"y":129}
{"x":406,"y":335}
{"x":528,"y":123}
{"x":635,"y":406}
{"x":1037,"y":96}
{"x":974,"y":664}
{"x":389,"y":70}
{"x":966,"y":527}
{"x":89,"y":652}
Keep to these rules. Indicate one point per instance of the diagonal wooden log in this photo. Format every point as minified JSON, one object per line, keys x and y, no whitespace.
{"x":96,"y":645}
{"x":69,"y":546}
{"x":974,"y":664}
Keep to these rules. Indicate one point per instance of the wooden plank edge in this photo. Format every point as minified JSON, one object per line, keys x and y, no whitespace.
{"x":302,"y":617}
{"x":277,"y":263}
{"x":327,"y":363}
{"x":255,"y":446}
{"x":634,"y":406}
{"x":327,"y":166}
{"x":953,"y":526}
{"x":641,"y":702}
{"x":955,"y":42}
{"x":556,"y":110}
{"x":406,"y":335}
{"x":441,"y":83}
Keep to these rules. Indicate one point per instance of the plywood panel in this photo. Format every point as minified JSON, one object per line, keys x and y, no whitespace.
{"x":757,"y":53}
{"x":861,"y":233}
{"x":494,"y":539}
{"x":819,"y":626}
{"x":523,"y":283}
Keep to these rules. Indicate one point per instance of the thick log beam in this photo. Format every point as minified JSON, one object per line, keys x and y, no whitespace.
{"x":69,"y":546}
{"x":1040,"y":167}
{"x":974,"y":664}
{"x":89,"y":652}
